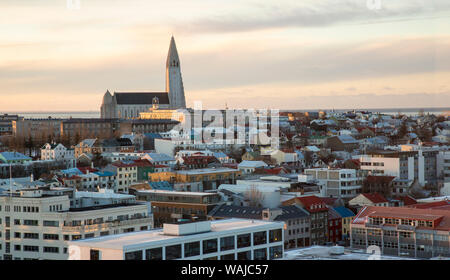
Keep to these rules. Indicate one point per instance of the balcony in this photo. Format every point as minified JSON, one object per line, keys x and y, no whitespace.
{"x":107,"y":225}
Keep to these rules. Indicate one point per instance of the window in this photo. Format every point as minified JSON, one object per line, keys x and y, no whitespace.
{"x":227,"y":243}
{"x":53,"y":250}
{"x":260,"y":254}
{"x":153,"y":254}
{"x":51,"y":224}
{"x":259,"y":238}
{"x":30,"y":235}
{"x":133,"y":256}
{"x":275,"y":252}
{"x":227,"y":257}
{"x":76,"y":237}
{"x":94,"y":255}
{"x":245,"y":256}
{"x":48,"y":236}
{"x":30,"y":222}
{"x":16,"y":234}
{"x":275,"y":235}
{"x":28,"y":248}
{"x":209,"y":246}
{"x":192,"y":249}
{"x":173,"y":252}
{"x":243,"y":240}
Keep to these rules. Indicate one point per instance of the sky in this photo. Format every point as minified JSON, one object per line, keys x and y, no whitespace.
{"x":56,"y":55}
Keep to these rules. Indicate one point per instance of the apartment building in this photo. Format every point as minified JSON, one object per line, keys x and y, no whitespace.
{"x":57,"y":152}
{"x":296,"y":220}
{"x":126,"y":174}
{"x":230,"y":239}
{"x":337,"y":183}
{"x":420,"y":165}
{"x":318,"y":213}
{"x":401,"y":231}
{"x":37,"y":129}
{"x":38,"y":223}
{"x":211,"y":178}
{"x":171,"y":206}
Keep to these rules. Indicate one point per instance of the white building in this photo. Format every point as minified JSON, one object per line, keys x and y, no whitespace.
{"x":249,"y":166}
{"x":338,"y":183}
{"x":58,"y":152}
{"x":37,"y":224}
{"x":230,"y":239}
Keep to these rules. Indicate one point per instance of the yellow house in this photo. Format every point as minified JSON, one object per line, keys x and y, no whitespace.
{"x":347,"y":216}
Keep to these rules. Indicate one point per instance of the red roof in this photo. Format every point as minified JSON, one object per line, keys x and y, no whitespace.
{"x":161,"y":166}
{"x":379,"y":179}
{"x":311,"y":203}
{"x":407,"y":200}
{"x":121,"y":164}
{"x":143,"y":163}
{"x":85,"y":169}
{"x":375,"y":197}
{"x":329,"y":200}
{"x":440,"y":218}
{"x":432,"y":205}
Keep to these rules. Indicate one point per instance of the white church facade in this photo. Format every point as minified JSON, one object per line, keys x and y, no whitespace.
{"x":128,"y":105}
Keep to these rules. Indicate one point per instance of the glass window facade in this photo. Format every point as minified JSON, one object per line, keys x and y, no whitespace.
{"x":192,"y":249}
{"x":260,"y":254}
{"x":209,"y":246}
{"x":260,"y":238}
{"x":133,"y":256}
{"x":154,"y":254}
{"x":275,"y":235}
{"x":173,"y":252}
{"x":227,"y":243}
{"x":247,"y":255}
{"x":275,"y":252}
{"x":243,"y":240}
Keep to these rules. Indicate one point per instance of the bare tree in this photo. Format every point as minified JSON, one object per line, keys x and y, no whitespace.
{"x":254,"y":196}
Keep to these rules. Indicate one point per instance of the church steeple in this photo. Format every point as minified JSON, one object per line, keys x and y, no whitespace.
{"x":172,"y":57}
{"x":174,"y":81}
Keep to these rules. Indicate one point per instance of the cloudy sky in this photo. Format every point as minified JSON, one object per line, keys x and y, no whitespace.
{"x":287,"y":54}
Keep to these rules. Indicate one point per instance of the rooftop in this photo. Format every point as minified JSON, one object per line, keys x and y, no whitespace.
{"x":156,"y":237}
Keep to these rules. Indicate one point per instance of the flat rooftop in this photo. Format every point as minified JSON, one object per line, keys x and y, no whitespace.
{"x":207,"y":171}
{"x":323,"y":253}
{"x":177,"y":193}
{"x":156,"y":237}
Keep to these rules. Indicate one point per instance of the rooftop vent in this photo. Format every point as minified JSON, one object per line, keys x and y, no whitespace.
{"x":186,"y":228}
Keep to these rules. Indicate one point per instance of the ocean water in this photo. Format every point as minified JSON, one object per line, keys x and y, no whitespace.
{"x":96,"y":114}
{"x":57,"y":115}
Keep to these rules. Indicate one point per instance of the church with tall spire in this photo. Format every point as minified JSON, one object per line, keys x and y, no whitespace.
{"x":129,"y":105}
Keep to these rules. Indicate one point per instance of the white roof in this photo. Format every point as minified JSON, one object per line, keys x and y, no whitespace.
{"x":138,"y":240}
{"x":252,"y":164}
{"x":323,"y":253}
{"x":206,"y":171}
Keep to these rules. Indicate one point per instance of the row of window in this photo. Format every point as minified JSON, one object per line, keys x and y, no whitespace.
{"x":275,"y":252}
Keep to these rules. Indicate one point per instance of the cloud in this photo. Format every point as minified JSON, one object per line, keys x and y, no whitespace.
{"x":314,"y":14}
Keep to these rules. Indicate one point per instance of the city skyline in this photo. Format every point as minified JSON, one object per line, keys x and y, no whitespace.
{"x":289,"y":55}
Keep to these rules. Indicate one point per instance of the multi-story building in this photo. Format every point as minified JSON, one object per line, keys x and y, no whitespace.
{"x":402,"y":231}
{"x":230,"y":239}
{"x":6,"y":123}
{"x":211,"y":178}
{"x":337,"y":183}
{"x":57,"y":152}
{"x":37,"y":129}
{"x":420,"y":165}
{"x":318,"y":212}
{"x":38,"y":223}
{"x":347,"y":216}
{"x":171,"y":206}
{"x":126,"y":174}
{"x":296,"y":219}
{"x":334,"y":226}
{"x":77,"y":129}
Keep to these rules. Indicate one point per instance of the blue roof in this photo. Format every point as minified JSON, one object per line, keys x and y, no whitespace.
{"x":72,"y":171}
{"x":105,"y":173}
{"x":152,"y":135}
{"x":344,"y":212}
{"x":219,"y":155}
{"x":162,"y":185}
{"x":300,"y":155}
{"x":14,"y":156}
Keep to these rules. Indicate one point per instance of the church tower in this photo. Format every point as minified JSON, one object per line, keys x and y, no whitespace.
{"x":174,"y":81}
